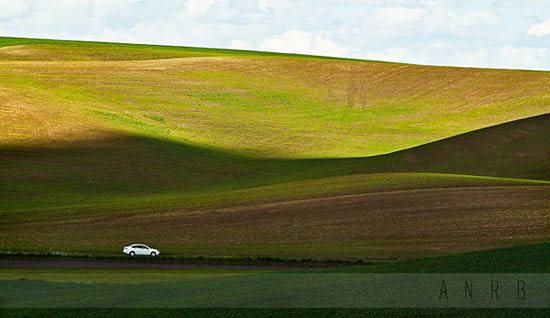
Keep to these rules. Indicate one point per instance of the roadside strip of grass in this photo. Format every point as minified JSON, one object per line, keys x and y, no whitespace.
{"x":262,"y":261}
{"x":531,"y":258}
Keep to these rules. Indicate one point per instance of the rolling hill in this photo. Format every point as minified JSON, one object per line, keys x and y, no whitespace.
{"x":519,"y":149}
{"x":208,"y":151}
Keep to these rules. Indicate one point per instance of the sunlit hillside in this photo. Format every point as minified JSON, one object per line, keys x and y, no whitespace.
{"x":93,"y":133}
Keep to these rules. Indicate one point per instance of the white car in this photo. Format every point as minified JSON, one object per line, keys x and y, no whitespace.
{"x":140,"y":249}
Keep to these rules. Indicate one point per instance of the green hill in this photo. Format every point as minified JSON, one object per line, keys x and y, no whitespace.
{"x":94,"y":135}
{"x":101,"y":171}
{"x":259,"y":104}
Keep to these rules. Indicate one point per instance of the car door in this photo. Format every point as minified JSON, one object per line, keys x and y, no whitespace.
{"x":141,"y":250}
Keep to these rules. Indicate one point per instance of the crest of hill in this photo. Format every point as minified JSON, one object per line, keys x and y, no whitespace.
{"x":518,"y":149}
{"x":31,"y":49}
{"x":261,"y":104}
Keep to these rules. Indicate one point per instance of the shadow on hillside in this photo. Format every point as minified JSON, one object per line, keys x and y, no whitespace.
{"x":135,"y":164}
{"x":516,"y":149}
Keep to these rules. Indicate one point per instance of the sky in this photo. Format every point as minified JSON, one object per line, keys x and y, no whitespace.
{"x":476,"y":33}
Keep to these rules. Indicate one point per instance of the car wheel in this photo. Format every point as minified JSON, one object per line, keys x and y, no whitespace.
{"x":132,"y":253}
{"x":153,"y":254}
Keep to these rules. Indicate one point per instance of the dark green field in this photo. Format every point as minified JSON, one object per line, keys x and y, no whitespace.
{"x":161,"y":288}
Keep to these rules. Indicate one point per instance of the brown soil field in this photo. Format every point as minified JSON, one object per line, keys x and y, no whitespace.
{"x":402,"y":224}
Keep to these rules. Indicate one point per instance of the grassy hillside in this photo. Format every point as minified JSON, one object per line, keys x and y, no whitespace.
{"x":94,"y":134}
{"x":130,"y":167}
{"x":261,"y":105}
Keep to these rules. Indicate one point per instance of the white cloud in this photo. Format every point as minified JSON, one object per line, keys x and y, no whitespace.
{"x":398,"y":15}
{"x":298,"y":41}
{"x":478,"y":18}
{"x":276,"y":6}
{"x":473,"y":58}
{"x":540,"y":29}
{"x":522,"y":57}
{"x":241,"y":45}
{"x":12,"y":8}
{"x":103,"y":7}
{"x":396,"y":54}
{"x":459,"y":32}
{"x":267,"y":5}
{"x":200,"y":6}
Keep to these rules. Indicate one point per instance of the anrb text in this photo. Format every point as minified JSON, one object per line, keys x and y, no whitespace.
{"x":494,"y":289}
